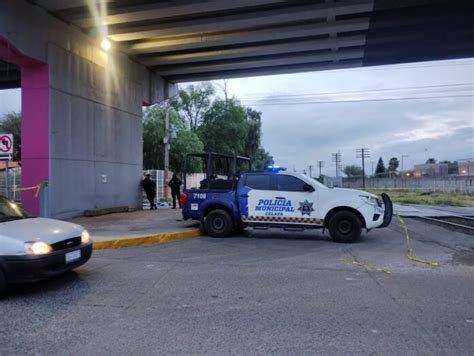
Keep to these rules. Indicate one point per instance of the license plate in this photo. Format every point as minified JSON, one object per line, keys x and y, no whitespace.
{"x":73,"y":256}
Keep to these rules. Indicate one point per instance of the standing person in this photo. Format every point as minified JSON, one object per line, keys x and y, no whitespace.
{"x":175,"y":185}
{"x":149,"y":186}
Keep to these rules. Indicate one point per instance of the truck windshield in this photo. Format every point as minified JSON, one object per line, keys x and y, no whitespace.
{"x":317,"y":182}
{"x":10,"y":210}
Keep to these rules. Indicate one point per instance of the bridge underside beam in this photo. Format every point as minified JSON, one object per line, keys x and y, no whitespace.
{"x":185,"y":40}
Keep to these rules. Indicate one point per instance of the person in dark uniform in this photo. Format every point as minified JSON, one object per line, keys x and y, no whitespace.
{"x":149,"y":186}
{"x":175,"y":185}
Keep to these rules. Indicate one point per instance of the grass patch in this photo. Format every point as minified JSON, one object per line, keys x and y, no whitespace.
{"x":405,"y":196}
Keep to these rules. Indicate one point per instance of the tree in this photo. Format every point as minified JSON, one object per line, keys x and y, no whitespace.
{"x":353,"y":171}
{"x":224,"y":128}
{"x":380,"y":169}
{"x":186,"y":141}
{"x":260,"y":159}
{"x":193,"y":103}
{"x":393,"y":164}
{"x":431,"y":161}
{"x":11,"y":124}
{"x":224,"y":87}
{"x":254,"y":132}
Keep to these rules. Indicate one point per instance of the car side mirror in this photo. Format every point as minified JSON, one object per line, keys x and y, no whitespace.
{"x":308,"y":188}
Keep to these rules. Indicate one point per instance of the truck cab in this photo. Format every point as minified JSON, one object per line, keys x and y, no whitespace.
{"x":275,"y":198}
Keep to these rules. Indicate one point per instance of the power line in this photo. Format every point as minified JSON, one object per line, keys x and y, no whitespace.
{"x":257,"y":97}
{"x":363,"y":100}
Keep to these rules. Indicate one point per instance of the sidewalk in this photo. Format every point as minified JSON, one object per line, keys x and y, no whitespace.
{"x":414,"y":210}
{"x":138,"y":228}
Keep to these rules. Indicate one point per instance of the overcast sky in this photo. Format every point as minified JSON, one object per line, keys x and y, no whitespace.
{"x":301,"y":126}
{"x":10,"y":100}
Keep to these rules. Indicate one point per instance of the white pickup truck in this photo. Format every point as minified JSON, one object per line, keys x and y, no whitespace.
{"x":276,"y":198}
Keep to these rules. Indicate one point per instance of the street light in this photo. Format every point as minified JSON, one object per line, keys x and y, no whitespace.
{"x":105,"y":44}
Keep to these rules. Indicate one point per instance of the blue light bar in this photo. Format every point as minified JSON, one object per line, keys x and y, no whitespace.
{"x":275,"y":168}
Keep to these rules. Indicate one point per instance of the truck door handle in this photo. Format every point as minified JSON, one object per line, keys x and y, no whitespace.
{"x":244,"y":195}
{"x":280,"y":198}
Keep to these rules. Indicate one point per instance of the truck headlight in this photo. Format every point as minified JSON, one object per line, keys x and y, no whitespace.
{"x":37,"y":248}
{"x":85,"y":237}
{"x":371,"y":200}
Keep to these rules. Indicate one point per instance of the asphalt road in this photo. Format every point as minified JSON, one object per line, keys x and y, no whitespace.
{"x":258,"y":293}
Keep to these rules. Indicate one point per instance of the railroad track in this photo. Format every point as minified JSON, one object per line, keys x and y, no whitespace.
{"x":464,"y":224}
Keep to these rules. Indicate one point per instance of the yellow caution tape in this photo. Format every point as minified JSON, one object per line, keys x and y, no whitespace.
{"x":37,"y":187}
{"x":409,"y":254}
{"x":367,"y":266}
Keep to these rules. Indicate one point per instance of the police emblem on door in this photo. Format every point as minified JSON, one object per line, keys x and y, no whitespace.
{"x":306,"y":208}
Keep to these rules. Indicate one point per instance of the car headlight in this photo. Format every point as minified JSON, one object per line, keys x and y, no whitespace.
{"x":85,"y":237}
{"x":371,"y":200}
{"x":38,"y":248}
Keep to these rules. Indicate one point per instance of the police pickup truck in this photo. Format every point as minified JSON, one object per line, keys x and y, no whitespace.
{"x":231,"y":197}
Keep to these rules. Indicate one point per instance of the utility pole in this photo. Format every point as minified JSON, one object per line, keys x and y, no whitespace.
{"x":311,"y":170}
{"x":320,"y":165}
{"x":363,"y":153}
{"x":166,"y":141}
{"x":7,"y":184}
{"x":373,"y":169}
{"x":336,"y":158}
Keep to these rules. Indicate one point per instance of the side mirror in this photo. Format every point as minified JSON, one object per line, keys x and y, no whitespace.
{"x":308,"y":188}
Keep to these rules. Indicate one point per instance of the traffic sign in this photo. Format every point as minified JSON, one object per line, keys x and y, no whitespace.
{"x":6,"y":144}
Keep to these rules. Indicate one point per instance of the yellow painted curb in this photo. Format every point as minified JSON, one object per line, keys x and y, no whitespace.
{"x":147,"y":239}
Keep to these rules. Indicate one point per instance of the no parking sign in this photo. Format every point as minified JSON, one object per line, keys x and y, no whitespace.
{"x":6,"y":144}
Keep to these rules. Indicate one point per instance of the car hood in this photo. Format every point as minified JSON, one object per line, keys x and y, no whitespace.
{"x":39,"y":229}
{"x":354,"y":192}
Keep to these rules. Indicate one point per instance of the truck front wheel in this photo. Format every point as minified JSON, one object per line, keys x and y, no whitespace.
{"x":218,"y":223}
{"x":345,"y":227}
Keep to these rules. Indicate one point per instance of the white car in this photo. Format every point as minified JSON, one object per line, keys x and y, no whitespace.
{"x":33,"y":249}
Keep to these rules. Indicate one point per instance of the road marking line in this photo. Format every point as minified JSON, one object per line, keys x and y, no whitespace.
{"x":367,"y":266}
{"x":409,"y":254}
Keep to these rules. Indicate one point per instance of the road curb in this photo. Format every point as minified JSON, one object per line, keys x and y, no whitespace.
{"x":146,"y":239}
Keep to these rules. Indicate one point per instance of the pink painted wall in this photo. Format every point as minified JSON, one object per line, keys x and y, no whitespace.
{"x":34,"y":132}
{"x":34,"y":121}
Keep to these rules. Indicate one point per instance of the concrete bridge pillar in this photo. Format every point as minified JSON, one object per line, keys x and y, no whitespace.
{"x":81,"y":112}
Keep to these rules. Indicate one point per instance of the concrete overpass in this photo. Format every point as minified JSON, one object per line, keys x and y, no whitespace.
{"x":194,"y":40}
{"x":81,"y":106}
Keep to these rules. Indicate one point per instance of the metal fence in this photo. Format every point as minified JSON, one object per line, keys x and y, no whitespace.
{"x":451,"y":184}
{"x":14,"y":181}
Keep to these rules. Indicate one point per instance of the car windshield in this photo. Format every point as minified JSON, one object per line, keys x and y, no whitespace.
{"x":10,"y":210}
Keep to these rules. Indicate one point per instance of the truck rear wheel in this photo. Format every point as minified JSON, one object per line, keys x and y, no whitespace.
{"x":218,"y":223}
{"x":345,"y":227}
